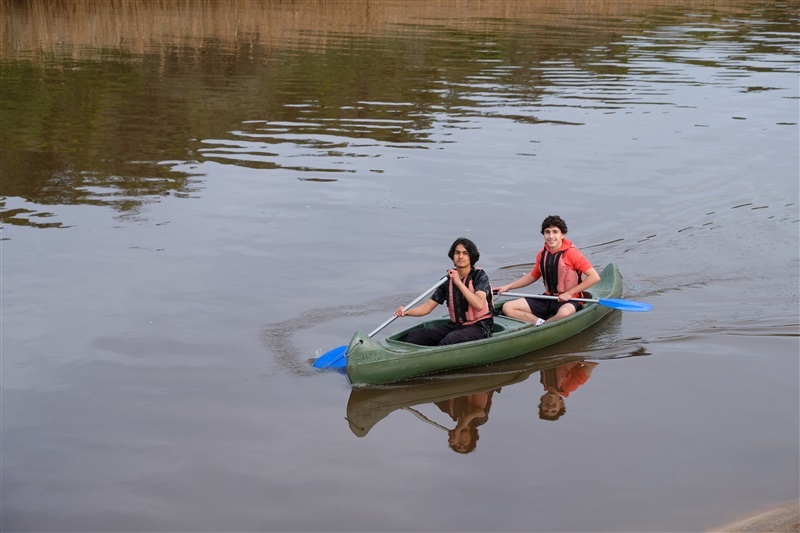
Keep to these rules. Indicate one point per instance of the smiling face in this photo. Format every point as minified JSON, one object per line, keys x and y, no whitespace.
{"x":553,"y":238}
{"x":551,"y":404}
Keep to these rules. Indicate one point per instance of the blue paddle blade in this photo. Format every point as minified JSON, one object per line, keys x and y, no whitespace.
{"x":340,"y":364}
{"x":332,"y":358}
{"x":626,"y":305}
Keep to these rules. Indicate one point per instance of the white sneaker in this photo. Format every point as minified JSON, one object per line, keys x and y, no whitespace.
{"x":539,"y":322}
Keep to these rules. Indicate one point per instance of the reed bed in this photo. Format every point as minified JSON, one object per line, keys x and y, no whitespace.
{"x":80,"y":27}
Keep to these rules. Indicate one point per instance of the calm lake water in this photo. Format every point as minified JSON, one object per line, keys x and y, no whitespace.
{"x":198,"y":198}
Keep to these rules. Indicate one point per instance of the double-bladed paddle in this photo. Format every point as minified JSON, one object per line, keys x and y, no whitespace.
{"x":614,"y":303}
{"x":336,"y":358}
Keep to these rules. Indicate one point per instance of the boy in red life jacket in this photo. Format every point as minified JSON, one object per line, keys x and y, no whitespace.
{"x":560,"y":265}
{"x":469,"y":299}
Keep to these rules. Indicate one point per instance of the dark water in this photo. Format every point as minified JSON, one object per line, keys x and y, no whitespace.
{"x":198,"y":198}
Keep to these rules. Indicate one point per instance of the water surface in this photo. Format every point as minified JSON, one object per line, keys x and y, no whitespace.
{"x":197,"y":199}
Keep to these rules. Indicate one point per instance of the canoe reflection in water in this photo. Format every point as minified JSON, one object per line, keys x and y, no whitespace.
{"x":465,"y":397}
{"x":558,"y":383}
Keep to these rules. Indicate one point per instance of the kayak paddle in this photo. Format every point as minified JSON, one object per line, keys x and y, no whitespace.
{"x":614,"y":303}
{"x":336,"y":358}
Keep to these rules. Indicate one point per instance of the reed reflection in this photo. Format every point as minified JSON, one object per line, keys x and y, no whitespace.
{"x":102,"y":106}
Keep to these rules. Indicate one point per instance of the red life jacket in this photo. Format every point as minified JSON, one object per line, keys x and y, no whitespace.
{"x":468,"y":315}
{"x":557,"y":277}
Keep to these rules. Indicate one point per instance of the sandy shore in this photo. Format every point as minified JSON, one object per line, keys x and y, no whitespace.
{"x":779,"y":519}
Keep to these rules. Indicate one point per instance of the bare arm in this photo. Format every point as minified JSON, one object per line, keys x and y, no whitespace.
{"x":523,"y":281}
{"x":476,"y":300}
{"x":587,"y":367}
{"x":420,"y":310}
{"x":475,"y":412}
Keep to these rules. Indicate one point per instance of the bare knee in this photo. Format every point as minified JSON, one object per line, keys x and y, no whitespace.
{"x":564,"y":311}
{"x":512,"y":309}
{"x":518,"y":309}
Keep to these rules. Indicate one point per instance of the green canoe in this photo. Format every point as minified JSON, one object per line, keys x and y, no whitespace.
{"x":371,"y":362}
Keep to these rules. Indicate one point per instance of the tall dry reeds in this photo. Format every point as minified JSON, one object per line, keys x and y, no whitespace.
{"x":77,"y":27}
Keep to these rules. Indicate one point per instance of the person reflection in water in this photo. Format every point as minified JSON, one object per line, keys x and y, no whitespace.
{"x":468,"y":412}
{"x":558,"y":383}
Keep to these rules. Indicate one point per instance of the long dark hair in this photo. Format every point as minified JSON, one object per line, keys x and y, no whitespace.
{"x":472,"y":250}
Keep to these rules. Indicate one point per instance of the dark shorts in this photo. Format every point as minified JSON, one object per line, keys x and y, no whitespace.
{"x":544,"y":309}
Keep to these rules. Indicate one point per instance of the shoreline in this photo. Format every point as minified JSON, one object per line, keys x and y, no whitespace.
{"x":785,"y":518}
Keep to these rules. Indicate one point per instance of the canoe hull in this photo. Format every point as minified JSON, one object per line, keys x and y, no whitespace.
{"x":371,"y":362}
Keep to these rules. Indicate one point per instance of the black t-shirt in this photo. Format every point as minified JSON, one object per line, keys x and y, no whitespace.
{"x":480,"y":282}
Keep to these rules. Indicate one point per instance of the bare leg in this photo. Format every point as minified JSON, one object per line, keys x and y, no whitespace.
{"x":563,"y":312}
{"x":520,"y":310}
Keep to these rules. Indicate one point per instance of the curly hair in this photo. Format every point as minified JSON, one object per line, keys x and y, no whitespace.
{"x":554,"y":417}
{"x":554,"y":220}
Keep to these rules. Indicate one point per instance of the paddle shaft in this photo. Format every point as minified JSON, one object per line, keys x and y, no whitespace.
{"x":410,"y":305}
{"x":336,"y":358}
{"x":546,"y":297}
{"x":425,"y":418}
{"x":614,"y":303}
